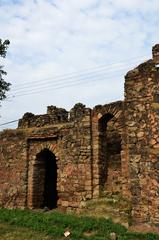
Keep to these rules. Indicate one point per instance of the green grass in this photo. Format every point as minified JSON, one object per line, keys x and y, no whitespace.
{"x":114,"y":207}
{"x":12,"y":232}
{"x":52,"y":225}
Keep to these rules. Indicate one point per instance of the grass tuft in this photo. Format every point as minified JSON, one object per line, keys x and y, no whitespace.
{"x":54,"y":224}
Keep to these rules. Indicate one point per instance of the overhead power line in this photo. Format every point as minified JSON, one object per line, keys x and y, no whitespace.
{"x":79,"y":73}
{"x":62,"y":86}
{"x":65,"y":82}
{"x":68,"y":80}
{"x":6,"y":123}
{"x":65,"y":79}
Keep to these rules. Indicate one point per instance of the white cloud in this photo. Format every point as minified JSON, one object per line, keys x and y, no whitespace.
{"x":52,"y":37}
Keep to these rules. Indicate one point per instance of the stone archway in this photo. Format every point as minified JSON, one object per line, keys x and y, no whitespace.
{"x":43,"y":181}
{"x":104,"y":118}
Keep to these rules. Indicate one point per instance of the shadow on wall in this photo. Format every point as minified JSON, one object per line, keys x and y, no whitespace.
{"x":45,"y":180}
{"x":110,"y":154}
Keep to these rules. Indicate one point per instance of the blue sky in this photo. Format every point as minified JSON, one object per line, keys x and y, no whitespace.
{"x":53,"y":39}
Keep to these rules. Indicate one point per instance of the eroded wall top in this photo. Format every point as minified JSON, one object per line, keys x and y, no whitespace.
{"x":54,"y":115}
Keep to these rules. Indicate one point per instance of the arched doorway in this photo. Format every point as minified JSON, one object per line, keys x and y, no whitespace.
{"x":109,"y":154}
{"x":45,"y":180}
{"x":103,"y":148}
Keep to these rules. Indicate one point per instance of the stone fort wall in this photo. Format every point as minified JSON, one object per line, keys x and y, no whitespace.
{"x":112,"y":148}
{"x":82,"y":172}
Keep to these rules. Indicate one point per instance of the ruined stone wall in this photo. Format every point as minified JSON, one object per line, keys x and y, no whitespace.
{"x":112,"y":148}
{"x":141,"y":142}
{"x":70,"y":142}
{"x":54,"y":115}
{"x":13,"y":169}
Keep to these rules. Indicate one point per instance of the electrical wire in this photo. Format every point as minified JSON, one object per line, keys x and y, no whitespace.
{"x":6,"y":123}
{"x":61,"y":82}
{"x":66,"y":85}
{"x":71,"y":80}
{"x":78,"y":74}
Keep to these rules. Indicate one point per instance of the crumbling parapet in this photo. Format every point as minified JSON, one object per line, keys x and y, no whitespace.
{"x":78,"y":112}
{"x":57,"y":114}
{"x":54,"y":115}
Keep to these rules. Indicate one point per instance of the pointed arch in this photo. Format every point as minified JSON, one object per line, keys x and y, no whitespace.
{"x":42,"y":178}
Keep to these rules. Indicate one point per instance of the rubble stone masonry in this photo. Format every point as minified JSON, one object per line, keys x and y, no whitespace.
{"x":62,"y":159}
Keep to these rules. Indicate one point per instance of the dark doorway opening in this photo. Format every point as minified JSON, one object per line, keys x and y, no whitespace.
{"x":103,"y":148}
{"x":110,"y":154}
{"x":45,"y":188}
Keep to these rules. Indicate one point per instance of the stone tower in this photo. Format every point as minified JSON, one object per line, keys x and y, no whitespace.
{"x":141,"y":139}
